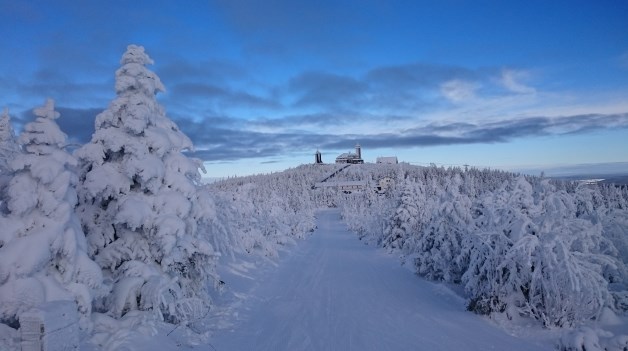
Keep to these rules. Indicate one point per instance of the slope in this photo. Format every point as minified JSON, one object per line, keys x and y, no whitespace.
{"x":334,"y":293}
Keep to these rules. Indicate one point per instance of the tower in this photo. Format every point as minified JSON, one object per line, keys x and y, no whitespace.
{"x":318,"y":157}
{"x":358,"y":150}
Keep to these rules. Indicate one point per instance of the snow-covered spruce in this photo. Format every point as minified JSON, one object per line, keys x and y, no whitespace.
{"x":408,"y":219}
{"x":43,"y":252}
{"x":9,"y":149}
{"x":138,"y":203}
{"x":263,"y":212}
{"x":437,"y":248}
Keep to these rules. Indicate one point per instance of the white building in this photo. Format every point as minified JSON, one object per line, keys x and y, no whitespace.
{"x":385,"y":184}
{"x":390,"y":160}
{"x":346,"y":187}
{"x":349,"y":157}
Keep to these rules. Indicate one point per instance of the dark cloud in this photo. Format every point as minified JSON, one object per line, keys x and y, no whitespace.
{"x":77,"y":124}
{"x":421,"y":75}
{"x":291,"y":121}
{"x":220,"y":138}
{"x":325,"y":119}
{"x":232,"y":144}
{"x":223,"y":97}
{"x":330,"y":90}
{"x":214,"y":71}
{"x":49,"y":84}
{"x":411,"y":87}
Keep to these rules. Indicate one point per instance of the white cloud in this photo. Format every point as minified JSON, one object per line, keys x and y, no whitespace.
{"x":458,"y":90}
{"x":511,"y":80}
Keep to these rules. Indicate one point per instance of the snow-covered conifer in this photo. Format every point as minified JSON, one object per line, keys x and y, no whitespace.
{"x":9,"y":147}
{"x":438,"y":247}
{"x":409,"y":217}
{"x":138,"y":203}
{"x":43,"y":252}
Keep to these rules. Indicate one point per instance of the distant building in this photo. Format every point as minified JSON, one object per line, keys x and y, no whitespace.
{"x":385,"y":184}
{"x":318,"y":158}
{"x":346,"y":187}
{"x":390,"y":160}
{"x":349,"y":157}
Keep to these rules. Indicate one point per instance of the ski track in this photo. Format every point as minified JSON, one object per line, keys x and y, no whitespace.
{"x":335,"y":293}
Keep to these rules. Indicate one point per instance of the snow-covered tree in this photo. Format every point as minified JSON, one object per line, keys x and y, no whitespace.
{"x":138,"y":202}
{"x":438,"y":247}
{"x":537,"y":258}
{"x":502,"y":218}
{"x":43,"y":252}
{"x":556,"y":274}
{"x":9,"y":149}
{"x":409,"y":217}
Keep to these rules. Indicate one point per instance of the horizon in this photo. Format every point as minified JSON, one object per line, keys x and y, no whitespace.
{"x":259,"y":87}
{"x":584,"y":171}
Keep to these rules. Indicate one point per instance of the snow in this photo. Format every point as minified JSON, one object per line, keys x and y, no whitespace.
{"x":332,"y":292}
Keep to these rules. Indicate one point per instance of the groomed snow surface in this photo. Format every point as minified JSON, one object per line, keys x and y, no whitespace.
{"x":333,"y":292}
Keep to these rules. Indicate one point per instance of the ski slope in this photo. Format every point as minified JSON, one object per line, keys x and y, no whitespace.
{"x":332,"y":292}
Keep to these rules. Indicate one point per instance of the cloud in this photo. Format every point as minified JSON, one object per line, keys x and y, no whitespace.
{"x":76,"y":123}
{"x":218,"y":143}
{"x":332,"y":121}
{"x":510,"y":79}
{"x":317,"y":88}
{"x":505,"y":130}
{"x":395,"y":89}
{"x":221,"y":96}
{"x":215,"y":71}
{"x":420,"y":75}
{"x":458,"y":90}
{"x":301,"y":121}
{"x":220,"y":138}
{"x":31,"y":91}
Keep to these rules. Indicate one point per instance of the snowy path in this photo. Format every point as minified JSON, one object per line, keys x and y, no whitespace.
{"x":335,"y":293}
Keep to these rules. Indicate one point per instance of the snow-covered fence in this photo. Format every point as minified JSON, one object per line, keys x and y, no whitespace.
{"x":53,"y":326}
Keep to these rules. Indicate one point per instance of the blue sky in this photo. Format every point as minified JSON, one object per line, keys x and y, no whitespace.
{"x":260,"y":85}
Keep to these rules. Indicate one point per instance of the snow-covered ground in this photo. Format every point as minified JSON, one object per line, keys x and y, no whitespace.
{"x":332,"y":292}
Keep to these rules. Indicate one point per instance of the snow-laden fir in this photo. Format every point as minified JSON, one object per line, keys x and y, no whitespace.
{"x":139,"y":205}
{"x":43,"y":248}
{"x":125,"y":229}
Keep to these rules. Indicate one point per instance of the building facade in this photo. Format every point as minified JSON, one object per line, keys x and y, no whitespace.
{"x":390,"y":160}
{"x":350,"y":157}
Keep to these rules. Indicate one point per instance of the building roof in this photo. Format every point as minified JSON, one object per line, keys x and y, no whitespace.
{"x":387,"y":159}
{"x":341,"y":183}
{"x":348,"y":155}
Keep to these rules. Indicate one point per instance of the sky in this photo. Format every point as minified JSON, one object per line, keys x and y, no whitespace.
{"x":259,"y":86}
